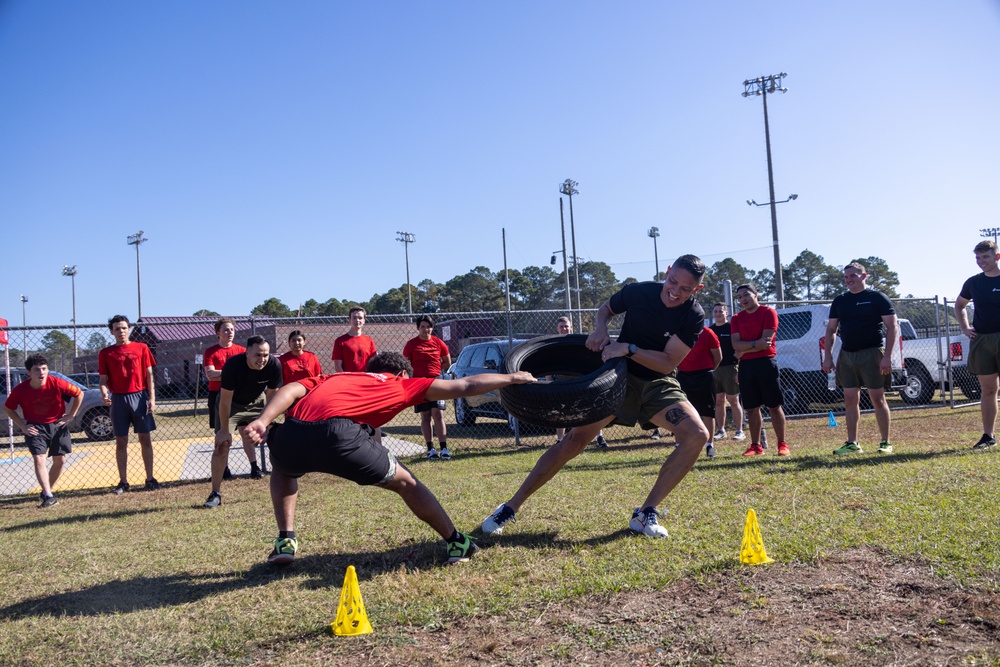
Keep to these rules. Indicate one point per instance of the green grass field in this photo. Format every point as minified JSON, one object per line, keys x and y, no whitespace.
{"x":152,"y":578}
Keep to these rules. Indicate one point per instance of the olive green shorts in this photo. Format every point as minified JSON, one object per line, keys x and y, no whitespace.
{"x":861,"y":369}
{"x":726,"y":380}
{"x":984,"y":354}
{"x":646,"y":398}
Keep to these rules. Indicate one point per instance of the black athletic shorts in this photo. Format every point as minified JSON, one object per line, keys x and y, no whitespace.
{"x":700,"y":389}
{"x":430,"y":405}
{"x":51,"y":440}
{"x":213,"y":408}
{"x":759,"y":383}
{"x":336,"y":446}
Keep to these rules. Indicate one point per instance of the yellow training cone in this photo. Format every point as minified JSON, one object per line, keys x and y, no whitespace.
{"x":351,"y":616}
{"x":752,"y":551}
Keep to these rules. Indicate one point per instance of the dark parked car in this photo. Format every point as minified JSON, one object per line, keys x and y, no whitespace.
{"x":476,"y":359}
{"x":86,"y":380}
{"x":93,"y":418}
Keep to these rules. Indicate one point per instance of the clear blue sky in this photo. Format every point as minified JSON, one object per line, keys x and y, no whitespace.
{"x":275,"y":149}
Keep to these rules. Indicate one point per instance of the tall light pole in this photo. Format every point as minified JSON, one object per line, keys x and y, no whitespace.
{"x":137,"y":240}
{"x":990,"y":231}
{"x":772,"y":204}
{"x":763,"y":85}
{"x":568,"y":188}
{"x":71,"y":272}
{"x":562,"y":227}
{"x":24,"y":324}
{"x":407,"y":238}
{"x":653,"y":233}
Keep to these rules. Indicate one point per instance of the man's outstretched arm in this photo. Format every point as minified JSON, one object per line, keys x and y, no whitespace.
{"x":281,"y":401}
{"x":474,"y":385}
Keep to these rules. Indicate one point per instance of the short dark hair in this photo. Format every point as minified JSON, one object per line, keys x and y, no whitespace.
{"x":255,"y":340}
{"x":719,"y":303}
{"x":392,"y":363}
{"x":855,"y":265}
{"x":424,"y":318}
{"x":115,"y":320}
{"x":35,"y":360}
{"x":355,"y":309}
{"x":747,"y":286}
{"x":295,"y":332}
{"x":223,"y":320}
{"x":692,"y":264}
{"x":983,"y":246}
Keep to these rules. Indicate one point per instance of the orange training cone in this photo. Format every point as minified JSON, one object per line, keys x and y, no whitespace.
{"x":752,"y":551}
{"x":351,"y":616}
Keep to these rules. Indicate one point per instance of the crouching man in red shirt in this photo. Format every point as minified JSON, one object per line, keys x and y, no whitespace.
{"x":329,"y":428}
{"x":44,"y":422}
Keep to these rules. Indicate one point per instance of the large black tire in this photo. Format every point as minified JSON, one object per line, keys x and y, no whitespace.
{"x":919,"y":388}
{"x":97,"y":424}
{"x":586,"y":389}
{"x":793,"y":398}
{"x":972,"y":389}
{"x":463,"y":414}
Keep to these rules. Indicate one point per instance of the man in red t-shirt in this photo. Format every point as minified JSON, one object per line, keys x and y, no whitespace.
{"x":352,"y":351}
{"x":696,"y":373}
{"x":44,"y":421}
{"x":215,"y":359}
{"x":429,"y":354}
{"x":126,"y":370}
{"x":298,"y":363}
{"x":329,"y":427}
{"x":754,"y":331}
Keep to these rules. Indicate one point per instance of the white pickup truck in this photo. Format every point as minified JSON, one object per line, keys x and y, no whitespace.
{"x":799,"y":346}
{"x":931,"y":361}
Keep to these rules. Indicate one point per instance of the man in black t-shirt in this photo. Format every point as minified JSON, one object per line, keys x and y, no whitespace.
{"x":868,"y":334}
{"x":248,"y":382}
{"x":727,"y":386}
{"x":662,"y":323}
{"x":984,"y":334}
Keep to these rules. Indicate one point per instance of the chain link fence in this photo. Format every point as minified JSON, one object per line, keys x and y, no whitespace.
{"x":932,"y":371}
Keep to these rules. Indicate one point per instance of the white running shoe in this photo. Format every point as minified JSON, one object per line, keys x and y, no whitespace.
{"x":494,"y":523}
{"x":720,"y":434}
{"x":644,"y":522}
{"x":739,"y":435}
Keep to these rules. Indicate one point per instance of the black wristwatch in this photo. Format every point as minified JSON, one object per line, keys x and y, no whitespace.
{"x":632,"y":349}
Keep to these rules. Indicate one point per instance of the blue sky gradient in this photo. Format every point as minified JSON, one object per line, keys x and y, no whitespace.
{"x":275,"y":149}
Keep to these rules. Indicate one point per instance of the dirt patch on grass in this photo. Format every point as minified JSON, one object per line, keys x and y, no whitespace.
{"x":858,"y":607}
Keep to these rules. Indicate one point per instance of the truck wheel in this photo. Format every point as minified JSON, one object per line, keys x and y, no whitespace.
{"x":919,"y":388}
{"x":972,"y":390}
{"x":463,"y":415}
{"x":97,"y":424}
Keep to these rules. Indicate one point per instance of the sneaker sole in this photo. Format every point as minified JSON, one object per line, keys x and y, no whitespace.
{"x":281,"y":559}
{"x":463,"y":559}
{"x":643,"y":533}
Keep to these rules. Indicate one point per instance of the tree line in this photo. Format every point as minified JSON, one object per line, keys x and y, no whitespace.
{"x":807,"y":277}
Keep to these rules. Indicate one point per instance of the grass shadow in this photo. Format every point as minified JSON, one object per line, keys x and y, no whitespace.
{"x":83,"y":518}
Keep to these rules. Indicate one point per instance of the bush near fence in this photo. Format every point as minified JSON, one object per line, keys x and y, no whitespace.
{"x":183,"y":441}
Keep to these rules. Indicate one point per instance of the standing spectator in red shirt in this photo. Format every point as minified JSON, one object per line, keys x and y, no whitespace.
{"x":127,"y":386}
{"x":215,"y":358}
{"x":427,"y":353}
{"x":298,"y":363}
{"x":352,"y":351}
{"x":696,"y":373}
{"x":44,"y":421}
{"x":753,"y":332}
